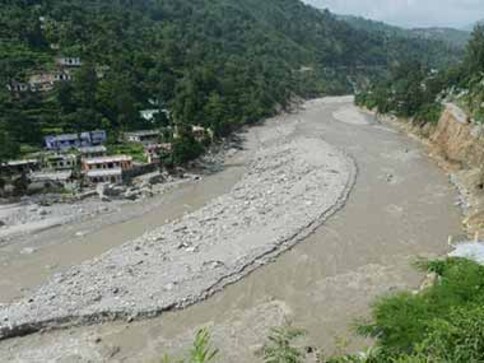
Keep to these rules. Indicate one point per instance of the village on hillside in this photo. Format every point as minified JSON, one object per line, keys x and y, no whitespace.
{"x":79,"y":161}
{"x":76,"y":161}
{"x":73,"y":162}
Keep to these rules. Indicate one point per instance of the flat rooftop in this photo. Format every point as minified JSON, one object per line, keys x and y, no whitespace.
{"x":104,"y":172}
{"x":108,"y":159}
{"x":92,"y":149}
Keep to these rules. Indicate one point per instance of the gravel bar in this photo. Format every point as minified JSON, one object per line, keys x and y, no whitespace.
{"x":292,"y":185}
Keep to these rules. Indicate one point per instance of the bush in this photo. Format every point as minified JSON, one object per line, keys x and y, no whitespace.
{"x":444,"y":323}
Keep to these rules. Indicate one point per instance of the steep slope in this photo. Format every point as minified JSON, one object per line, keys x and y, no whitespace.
{"x":219,"y":63}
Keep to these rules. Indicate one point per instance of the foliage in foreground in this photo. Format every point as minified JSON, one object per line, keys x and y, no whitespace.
{"x":444,"y":323}
{"x":201,"y":351}
{"x":280,"y":348}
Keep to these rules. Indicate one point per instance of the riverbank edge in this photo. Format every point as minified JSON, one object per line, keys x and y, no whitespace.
{"x":12,"y":331}
{"x":468,"y":197}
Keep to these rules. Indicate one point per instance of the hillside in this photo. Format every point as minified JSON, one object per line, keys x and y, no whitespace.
{"x":218,"y":63}
{"x":454,"y":37}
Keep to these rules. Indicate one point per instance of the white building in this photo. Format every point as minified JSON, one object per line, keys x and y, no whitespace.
{"x":113,"y":176}
{"x":145,"y":137}
{"x":69,"y":61}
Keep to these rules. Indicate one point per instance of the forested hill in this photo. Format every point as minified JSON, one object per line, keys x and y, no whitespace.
{"x":219,"y":63}
{"x":454,"y":37}
{"x":415,"y":91}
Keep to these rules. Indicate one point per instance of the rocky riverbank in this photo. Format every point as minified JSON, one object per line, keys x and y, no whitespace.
{"x":291,"y":187}
{"x":458,"y":148}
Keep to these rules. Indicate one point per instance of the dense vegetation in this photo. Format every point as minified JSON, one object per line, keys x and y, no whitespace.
{"x":218,"y":63}
{"x":454,"y":37}
{"x":442,"y":323}
{"x":415,"y":90}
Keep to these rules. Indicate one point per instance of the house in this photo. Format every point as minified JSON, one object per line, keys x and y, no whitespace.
{"x":65,"y":142}
{"x":41,"y":82}
{"x":45,"y":81}
{"x":17,"y":87}
{"x":63,"y":75}
{"x":98,"y":137}
{"x":101,"y":71}
{"x":68,"y":61}
{"x":89,"y":152}
{"x":65,"y":178}
{"x":154,"y":151}
{"x":60,"y":162}
{"x":199,"y":132}
{"x":15,"y":167}
{"x":122,"y":162}
{"x":113,"y":176}
{"x":107,"y":169}
{"x":68,"y":141}
{"x":145,"y":137}
{"x":149,"y":115}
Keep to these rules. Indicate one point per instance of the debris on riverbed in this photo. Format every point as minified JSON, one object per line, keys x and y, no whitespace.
{"x":220,"y":243}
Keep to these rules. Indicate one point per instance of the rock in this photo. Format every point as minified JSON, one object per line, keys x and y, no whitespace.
{"x":114,"y":190}
{"x":43,"y":212}
{"x":100,"y":189}
{"x":131,"y":195}
{"x":146,"y":192}
{"x":87,"y":194}
{"x":430,"y":280}
{"x":169,"y":286}
{"x":2,"y":223}
{"x":28,"y":250}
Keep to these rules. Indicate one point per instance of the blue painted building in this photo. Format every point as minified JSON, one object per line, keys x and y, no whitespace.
{"x":69,"y":141}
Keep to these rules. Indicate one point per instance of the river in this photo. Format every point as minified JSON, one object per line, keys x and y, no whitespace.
{"x":401,"y":207}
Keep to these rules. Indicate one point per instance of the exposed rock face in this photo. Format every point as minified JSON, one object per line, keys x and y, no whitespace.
{"x":458,"y":146}
{"x":291,"y":187}
{"x":459,"y":141}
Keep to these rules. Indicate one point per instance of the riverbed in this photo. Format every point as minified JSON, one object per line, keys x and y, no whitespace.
{"x":401,"y":207}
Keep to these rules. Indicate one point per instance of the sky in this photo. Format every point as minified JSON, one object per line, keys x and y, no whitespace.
{"x":410,"y":13}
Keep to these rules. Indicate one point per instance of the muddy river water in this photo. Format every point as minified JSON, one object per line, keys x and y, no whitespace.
{"x":401,"y":207}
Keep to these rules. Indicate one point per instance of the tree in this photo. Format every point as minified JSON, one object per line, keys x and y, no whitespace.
{"x":474,"y":60}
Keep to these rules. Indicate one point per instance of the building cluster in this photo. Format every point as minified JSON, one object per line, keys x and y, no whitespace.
{"x":82,"y":158}
{"x":44,"y":81}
